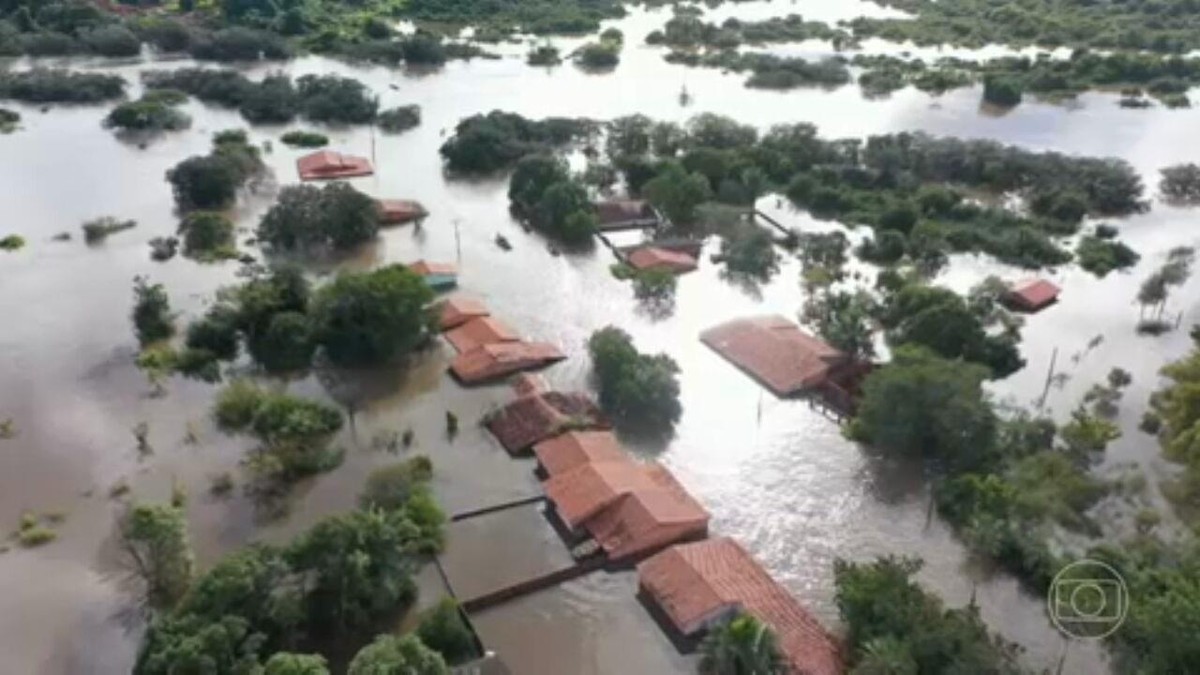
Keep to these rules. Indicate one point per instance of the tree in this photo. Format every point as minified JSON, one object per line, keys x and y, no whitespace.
{"x":208,"y":235}
{"x":391,"y":487}
{"x":216,"y":333}
{"x":442,"y":629}
{"x":286,"y":663}
{"x":565,"y":212}
{"x":750,"y":252}
{"x":146,"y":115}
{"x":741,"y":646}
{"x":677,"y":192}
{"x":204,"y":183}
{"x":599,"y":55}
{"x":286,"y":345}
{"x":1001,"y":90}
{"x":926,"y":406}
{"x":532,"y":177}
{"x":359,"y":566}
{"x":391,"y":655}
{"x":399,"y":119}
{"x":1180,"y":184}
{"x":152,"y":319}
{"x":371,"y":318}
{"x":637,"y":389}
{"x":305,"y":216}
{"x":194,"y":644}
{"x":154,"y":543}
{"x":886,"y":656}
{"x":844,"y":321}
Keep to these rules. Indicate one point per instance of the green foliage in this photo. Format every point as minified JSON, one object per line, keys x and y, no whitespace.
{"x":374,"y":317}
{"x":543,"y":55}
{"x":146,"y":115}
{"x":305,"y":217}
{"x":925,"y":406}
{"x":677,"y":192}
{"x":1100,"y":257}
{"x":443,"y":630}
{"x":41,"y":85}
{"x":879,"y":601}
{"x":1180,"y":184}
{"x":742,"y":645}
{"x":639,"y":390}
{"x":565,"y":212}
{"x":305,"y":139}
{"x":98,"y":229}
{"x":333,"y":99}
{"x":211,"y":182}
{"x":295,"y":432}
{"x":240,"y":44}
{"x":655,"y":285}
{"x":391,"y":487}
{"x":603,"y":55}
{"x":400,"y":119}
{"x":531,"y":178}
{"x":1001,"y":91}
{"x":208,"y":235}
{"x":750,"y":252}
{"x":113,"y":40}
{"x":9,"y":120}
{"x":287,"y":344}
{"x":152,"y":319}
{"x":285,"y":663}
{"x":391,"y":654}
{"x":154,"y":542}
{"x":12,"y":242}
{"x":488,"y":143}
{"x":844,"y":321}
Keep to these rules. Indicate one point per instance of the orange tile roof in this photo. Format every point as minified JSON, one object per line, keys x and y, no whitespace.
{"x":482,"y":330}
{"x":573,"y":449}
{"x":459,"y":309}
{"x":500,"y":359}
{"x":398,"y":211}
{"x":629,"y":508}
{"x":531,"y":419}
{"x":1034,"y":294}
{"x":330,"y":164}
{"x":426,"y":268}
{"x":774,"y":351}
{"x":650,"y":257}
{"x":697,"y":583}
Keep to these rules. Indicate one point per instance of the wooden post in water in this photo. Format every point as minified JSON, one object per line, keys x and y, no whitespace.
{"x":457,"y":243}
{"x":1049,"y":378}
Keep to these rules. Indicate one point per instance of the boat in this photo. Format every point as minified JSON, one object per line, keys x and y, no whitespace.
{"x":502,"y":242}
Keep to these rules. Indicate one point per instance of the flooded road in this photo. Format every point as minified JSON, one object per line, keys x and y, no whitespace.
{"x":776,"y":475}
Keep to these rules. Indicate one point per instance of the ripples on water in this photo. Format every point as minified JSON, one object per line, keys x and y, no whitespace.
{"x":776,"y":475}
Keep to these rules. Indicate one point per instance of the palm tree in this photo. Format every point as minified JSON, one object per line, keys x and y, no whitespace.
{"x":743,"y":646}
{"x":886,"y":656}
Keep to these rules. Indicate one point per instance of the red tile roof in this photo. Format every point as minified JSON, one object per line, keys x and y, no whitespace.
{"x":1033,"y":295}
{"x":775,"y":352}
{"x":627,"y":507}
{"x":621,"y":212}
{"x":329,"y":164}
{"x":650,"y":257}
{"x":501,"y":359}
{"x":527,"y":384}
{"x":483,"y":330}
{"x":531,"y":419}
{"x":426,"y":268}
{"x":696,"y":584}
{"x":399,"y":211}
{"x":456,"y":310}
{"x":575,"y":448}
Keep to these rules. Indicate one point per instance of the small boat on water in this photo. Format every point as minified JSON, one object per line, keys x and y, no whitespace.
{"x":502,"y":242}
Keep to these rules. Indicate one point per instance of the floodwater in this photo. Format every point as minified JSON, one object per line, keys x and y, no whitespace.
{"x":776,"y":475}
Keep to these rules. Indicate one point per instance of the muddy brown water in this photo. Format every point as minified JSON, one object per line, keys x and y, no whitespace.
{"x":776,"y":475}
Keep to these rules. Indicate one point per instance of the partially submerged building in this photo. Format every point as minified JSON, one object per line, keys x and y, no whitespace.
{"x":629,"y":509}
{"x":654,"y":258}
{"x":495,"y":361}
{"x":573,"y":449}
{"x":777,"y":353}
{"x":532,"y":419}
{"x":1032,"y":296}
{"x":328,"y":165}
{"x":456,"y":310}
{"x":399,"y":211}
{"x":440,"y":276}
{"x":691,"y":588}
{"x":626,"y":214}
{"x":480,"y":331}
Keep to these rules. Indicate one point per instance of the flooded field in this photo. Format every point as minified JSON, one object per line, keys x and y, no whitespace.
{"x":776,"y":475}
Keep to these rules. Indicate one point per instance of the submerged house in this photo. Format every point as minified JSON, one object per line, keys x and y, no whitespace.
{"x":532,"y":419}
{"x":777,"y":353}
{"x":501,"y":359}
{"x":655,"y":258}
{"x":629,"y":509}
{"x":327,"y":164}
{"x":439,"y":276}
{"x":626,"y":214}
{"x":480,"y":331}
{"x":692,"y":587}
{"x":1032,"y":296}
{"x":573,"y":449}
{"x":399,"y":211}
{"x":459,"y":309}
